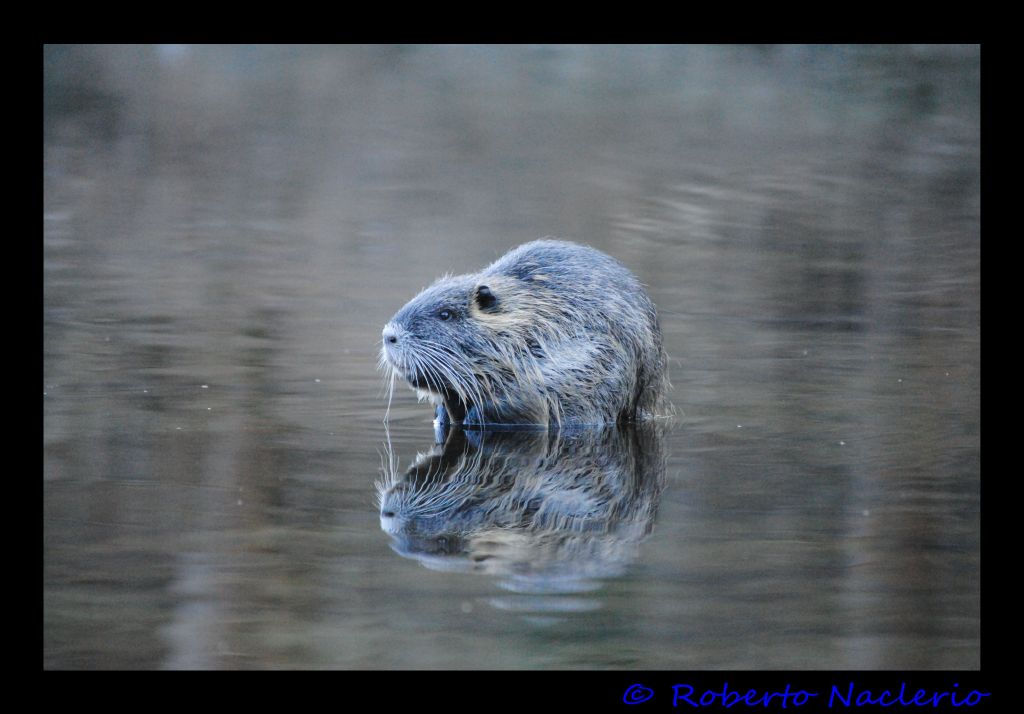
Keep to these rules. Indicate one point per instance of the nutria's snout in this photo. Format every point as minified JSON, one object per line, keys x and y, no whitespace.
{"x":389,"y":343}
{"x":393,"y":348}
{"x":390,"y":334}
{"x":420,"y":373}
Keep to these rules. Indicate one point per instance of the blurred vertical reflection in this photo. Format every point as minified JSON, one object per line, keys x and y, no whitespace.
{"x":549,"y":514}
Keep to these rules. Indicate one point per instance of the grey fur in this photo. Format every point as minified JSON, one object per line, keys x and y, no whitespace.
{"x":553,"y":333}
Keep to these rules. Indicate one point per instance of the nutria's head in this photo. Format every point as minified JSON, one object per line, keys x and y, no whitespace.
{"x":460,"y":340}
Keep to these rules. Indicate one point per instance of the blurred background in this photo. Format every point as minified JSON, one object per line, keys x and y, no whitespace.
{"x":227,"y":228}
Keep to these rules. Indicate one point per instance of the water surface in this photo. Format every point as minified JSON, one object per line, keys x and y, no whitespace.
{"x":227,"y":229}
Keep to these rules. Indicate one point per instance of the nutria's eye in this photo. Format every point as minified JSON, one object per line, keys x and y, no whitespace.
{"x":485,"y":298}
{"x":445,"y":314}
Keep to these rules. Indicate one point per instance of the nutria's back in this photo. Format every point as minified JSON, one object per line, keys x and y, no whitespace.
{"x":551,"y":333}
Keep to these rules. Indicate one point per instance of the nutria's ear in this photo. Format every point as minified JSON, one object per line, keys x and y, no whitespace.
{"x":485,"y":299}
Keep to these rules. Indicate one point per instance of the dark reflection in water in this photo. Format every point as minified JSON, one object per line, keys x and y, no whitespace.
{"x":547,"y":513}
{"x":226,"y":229}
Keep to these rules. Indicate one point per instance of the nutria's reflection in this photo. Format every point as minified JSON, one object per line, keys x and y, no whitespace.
{"x":546,"y":511}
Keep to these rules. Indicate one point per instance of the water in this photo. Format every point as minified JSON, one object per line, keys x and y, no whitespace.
{"x":227,"y":229}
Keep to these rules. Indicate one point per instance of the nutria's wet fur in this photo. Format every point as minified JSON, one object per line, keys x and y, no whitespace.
{"x":553,"y":333}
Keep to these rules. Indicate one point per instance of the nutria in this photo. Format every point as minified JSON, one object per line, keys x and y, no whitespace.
{"x":553,"y":333}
